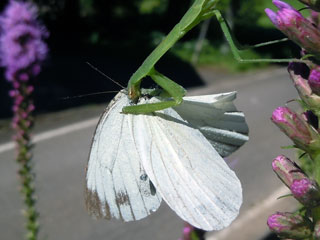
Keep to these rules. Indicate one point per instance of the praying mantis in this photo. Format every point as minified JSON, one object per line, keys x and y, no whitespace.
{"x":199,"y":11}
{"x":138,"y":159}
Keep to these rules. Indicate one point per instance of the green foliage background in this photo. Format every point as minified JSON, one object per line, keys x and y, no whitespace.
{"x":136,"y":26}
{"x":117,"y":35}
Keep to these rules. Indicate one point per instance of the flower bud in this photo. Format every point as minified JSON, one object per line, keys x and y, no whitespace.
{"x":296,"y":128}
{"x":288,"y":225}
{"x":299,"y":73}
{"x":306,"y":192}
{"x":296,"y":27}
{"x":287,"y":170}
{"x":303,"y":189}
{"x":313,"y":4}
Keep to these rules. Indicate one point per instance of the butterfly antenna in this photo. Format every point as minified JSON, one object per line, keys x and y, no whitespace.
{"x":105,"y":75}
{"x":89,"y":94}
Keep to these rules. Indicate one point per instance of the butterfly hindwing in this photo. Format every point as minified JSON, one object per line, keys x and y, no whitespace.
{"x":188,"y":172}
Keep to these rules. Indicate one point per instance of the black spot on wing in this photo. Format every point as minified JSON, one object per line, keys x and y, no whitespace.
{"x":153,"y":189}
{"x":122,"y":198}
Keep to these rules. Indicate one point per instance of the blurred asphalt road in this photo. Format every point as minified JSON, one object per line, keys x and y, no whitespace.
{"x":60,"y":159}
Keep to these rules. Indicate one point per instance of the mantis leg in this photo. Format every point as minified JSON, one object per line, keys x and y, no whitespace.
{"x":236,"y":48}
{"x":174,"y":90}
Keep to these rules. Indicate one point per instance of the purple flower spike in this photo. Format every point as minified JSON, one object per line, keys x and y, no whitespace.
{"x":296,"y":27}
{"x":288,"y":225}
{"x":22,"y":51}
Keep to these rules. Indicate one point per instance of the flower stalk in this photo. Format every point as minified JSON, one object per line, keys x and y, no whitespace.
{"x":302,"y":129}
{"x":22,"y":51}
{"x":22,"y":123}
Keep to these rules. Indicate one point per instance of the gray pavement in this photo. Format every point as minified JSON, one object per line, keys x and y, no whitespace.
{"x":60,"y":163}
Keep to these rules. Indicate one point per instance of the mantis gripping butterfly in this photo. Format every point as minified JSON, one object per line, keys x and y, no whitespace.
{"x":167,"y":146}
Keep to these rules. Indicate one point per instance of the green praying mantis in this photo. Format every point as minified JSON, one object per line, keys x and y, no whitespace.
{"x":174,"y":93}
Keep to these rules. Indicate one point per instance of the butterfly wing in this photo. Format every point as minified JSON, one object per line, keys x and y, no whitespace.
{"x":188,"y":172}
{"x":217,"y":119}
{"x":116,"y":183}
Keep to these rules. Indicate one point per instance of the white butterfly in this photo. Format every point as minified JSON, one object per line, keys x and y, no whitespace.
{"x":136,"y":160}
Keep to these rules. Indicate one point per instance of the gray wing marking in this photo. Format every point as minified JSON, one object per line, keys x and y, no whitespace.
{"x":218,"y":119}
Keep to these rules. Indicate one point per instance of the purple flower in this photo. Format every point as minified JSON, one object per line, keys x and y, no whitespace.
{"x":21,"y":41}
{"x":296,"y":27}
{"x":288,"y":225}
{"x":314,"y":80}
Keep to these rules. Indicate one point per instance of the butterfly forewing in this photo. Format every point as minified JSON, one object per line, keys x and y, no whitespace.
{"x":117,"y":185}
{"x":218,"y":120}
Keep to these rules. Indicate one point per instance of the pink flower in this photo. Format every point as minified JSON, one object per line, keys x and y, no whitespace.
{"x":295,"y":26}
